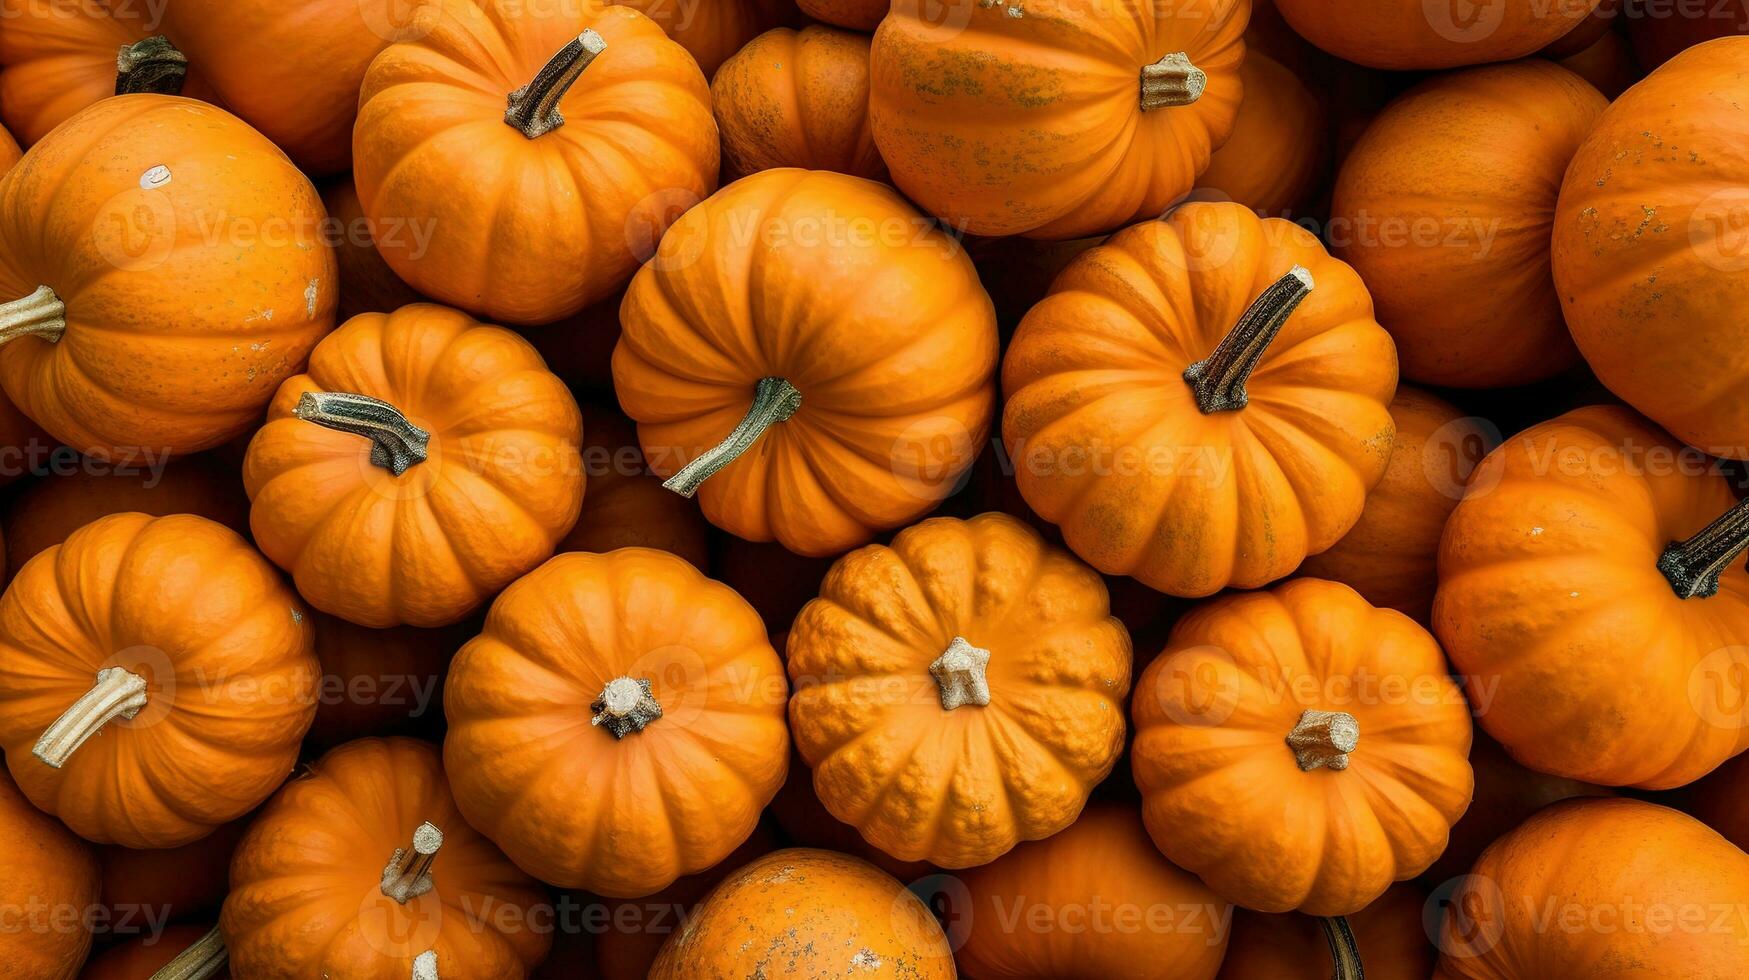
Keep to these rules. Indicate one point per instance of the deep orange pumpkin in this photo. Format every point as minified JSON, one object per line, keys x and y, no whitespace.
{"x":367,"y":284}
{"x":1279,"y":148}
{"x":43,"y":865}
{"x":1415,"y":34}
{"x":1390,"y":937}
{"x":628,"y":506}
{"x":711,"y":32}
{"x":197,"y":946}
{"x":797,"y":99}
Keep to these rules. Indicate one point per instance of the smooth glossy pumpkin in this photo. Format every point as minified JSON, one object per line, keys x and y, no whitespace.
{"x":619,"y":722}
{"x":43,"y":865}
{"x":380,"y":681}
{"x":1721,"y":800}
{"x":1651,"y":247}
{"x":1390,"y":939}
{"x":1589,"y":589}
{"x":959,"y":691}
{"x":362,"y":868}
{"x":198,"y":948}
{"x":533,"y":212}
{"x":797,"y":99}
{"x":179,"y":884}
{"x":1299,"y":749}
{"x":1654,"y":893}
{"x":858,"y":15}
{"x":628,"y":506}
{"x":156,"y":677}
{"x":1201,"y":401}
{"x":813,"y":913}
{"x":1661,"y":30}
{"x":423,"y":462}
{"x":367,"y":284}
{"x":1279,"y":148}
{"x":1416,"y":34}
{"x":711,"y":32}
{"x":161,"y":272}
{"x":810,"y":356}
{"x":1134,"y":96}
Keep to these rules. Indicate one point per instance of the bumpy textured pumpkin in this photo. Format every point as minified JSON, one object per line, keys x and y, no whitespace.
{"x":1201,"y":401}
{"x":1134,"y":97}
{"x":814,"y":914}
{"x":711,"y":32}
{"x":959,"y":691}
{"x":1650,"y":247}
{"x":362,"y":868}
{"x":43,"y":865}
{"x":196,"y":950}
{"x":1391,"y":553}
{"x":628,"y":506}
{"x":811,"y":357}
{"x":367,"y":284}
{"x":1721,"y":800}
{"x":1445,"y":209}
{"x":1590,"y":587}
{"x":1300,"y":749}
{"x":156,"y":677}
{"x":806,"y":822}
{"x":1094,"y":900}
{"x":797,"y":99}
{"x":380,"y":682}
{"x":1413,"y":34}
{"x":1390,"y":941}
{"x":1658,"y":895}
{"x":533,"y":212}
{"x":423,"y":462}
{"x":181,"y":884}
{"x":1279,"y":146}
{"x":618,"y":724}
{"x":160,"y":274}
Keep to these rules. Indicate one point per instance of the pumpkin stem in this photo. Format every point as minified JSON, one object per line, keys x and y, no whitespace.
{"x":1693,"y":566}
{"x":1344,"y":951}
{"x":395,"y":442}
{"x":1172,"y":81}
{"x":118,"y":693}
{"x":534,"y":108}
{"x":41,"y":313}
{"x":1324,"y":738}
{"x":206,"y":958}
{"x":1219,"y":379}
{"x":153,"y":65}
{"x":774,"y":400}
{"x":408,"y":873}
{"x":425,"y":965}
{"x":625,"y":706}
{"x":960,"y":674}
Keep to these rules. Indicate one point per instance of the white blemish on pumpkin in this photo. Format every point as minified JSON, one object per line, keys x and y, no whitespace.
{"x":310,"y":292}
{"x":258,"y":315}
{"x":865,"y":959}
{"x":297,"y":617}
{"x":1535,"y":531}
{"x":1572,"y":595}
{"x":156,"y":177}
{"x":261,"y":345}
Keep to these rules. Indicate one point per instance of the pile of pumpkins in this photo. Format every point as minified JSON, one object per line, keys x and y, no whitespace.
{"x":839,"y":488}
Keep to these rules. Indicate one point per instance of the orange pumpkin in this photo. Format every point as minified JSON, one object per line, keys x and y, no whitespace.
{"x":1415,"y":34}
{"x":811,"y":357}
{"x":1299,"y":749}
{"x":1279,"y":147}
{"x":619,"y":722}
{"x":858,"y":15}
{"x":311,"y":894}
{"x":806,"y":822}
{"x":797,"y":99}
{"x":602,"y":146}
{"x":1590,"y":590}
{"x":197,"y":952}
{"x":960,"y":691}
{"x":628,"y":508}
{"x":816,"y":913}
{"x":1134,"y":97}
{"x":1390,"y":941}
{"x":156,"y":677}
{"x":1650,"y":247}
{"x":367,"y":284}
{"x":1201,"y":401}
{"x":1390,"y":555}
{"x":1608,"y":64}
{"x":711,"y":32}
{"x":1635,"y":890}
{"x":43,"y":866}
{"x":181,"y":884}
{"x":379,"y":682}
{"x":1721,"y":800}
{"x":423,"y":462}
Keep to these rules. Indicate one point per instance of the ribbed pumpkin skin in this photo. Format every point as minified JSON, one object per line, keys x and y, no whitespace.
{"x":1390,"y":934}
{"x":42,"y":862}
{"x":225,"y":650}
{"x":628,"y":506}
{"x":711,"y":32}
{"x":1649,"y":248}
{"x":569,"y":802}
{"x":1185,"y":502}
{"x":187,"y":301}
{"x":306,"y":885}
{"x":1212,"y":716}
{"x":1415,"y":34}
{"x":1551,"y":597}
{"x":1658,"y":893}
{"x":140,"y":959}
{"x":797,"y":99}
{"x":957,"y":109}
{"x":958,"y":787}
{"x":1279,"y":147}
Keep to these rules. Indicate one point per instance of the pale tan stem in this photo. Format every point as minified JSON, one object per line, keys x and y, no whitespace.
{"x":41,"y":314}
{"x":1344,"y":951}
{"x":396,"y":443}
{"x":1218,"y":380}
{"x":118,"y":693}
{"x":960,"y":675}
{"x":408,"y":873}
{"x":205,"y":959}
{"x":774,"y":400}
{"x":1323,"y":739}
{"x":1172,"y":81}
{"x":626,"y":706}
{"x":534,"y":108}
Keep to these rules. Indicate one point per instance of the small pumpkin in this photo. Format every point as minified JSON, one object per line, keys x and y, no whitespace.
{"x":379,"y":681}
{"x":43,"y":865}
{"x":367,"y":284}
{"x":811,"y":357}
{"x":819,"y":914}
{"x":362,"y":868}
{"x":1417,"y":34}
{"x":191,"y":952}
{"x":423,"y":462}
{"x":618,"y":723}
{"x":958,"y":691}
{"x":156,"y":677}
{"x":1201,"y":401}
{"x":179,"y":884}
{"x":797,"y":99}
{"x":1389,"y":940}
{"x":1721,"y":800}
{"x":1134,"y":98}
{"x":711,"y":32}
{"x":534,"y":212}
{"x":1299,"y":749}
{"x":858,"y":15}
{"x":1279,"y":147}
{"x":628,"y":507}
{"x":1661,"y":31}
{"x":1589,"y":588}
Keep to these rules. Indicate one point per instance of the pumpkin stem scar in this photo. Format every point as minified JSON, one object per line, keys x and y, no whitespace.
{"x":205,"y":959}
{"x":1344,"y":951}
{"x":408,"y":873}
{"x":1324,"y":739}
{"x":1172,"y":81}
{"x":396,"y":443}
{"x":118,"y":693}
{"x":425,"y":965}
{"x":774,"y":400}
{"x":534,"y":108}
{"x":1693,"y":567}
{"x":960,"y":674}
{"x":625,"y":706}
{"x":41,"y":313}
{"x":151,"y":65}
{"x":1219,"y":379}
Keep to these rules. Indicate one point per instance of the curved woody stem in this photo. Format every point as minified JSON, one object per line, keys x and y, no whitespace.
{"x":1219,"y":379}
{"x":1344,"y":951}
{"x":396,"y":443}
{"x":534,"y":108}
{"x":205,"y":959}
{"x":1693,"y":567}
{"x":774,"y":400}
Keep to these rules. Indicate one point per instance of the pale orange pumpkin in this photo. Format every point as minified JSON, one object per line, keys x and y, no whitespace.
{"x":797,"y":99}
{"x":1279,"y":147}
{"x":42,"y":865}
{"x":628,"y":506}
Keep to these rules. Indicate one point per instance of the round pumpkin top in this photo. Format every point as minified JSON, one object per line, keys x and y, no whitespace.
{"x":1412,"y":34}
{"x":797,"y":99}
{"x":43,"y":865}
